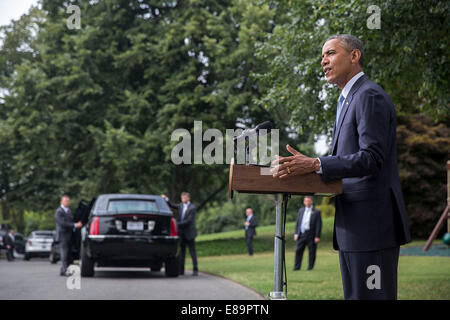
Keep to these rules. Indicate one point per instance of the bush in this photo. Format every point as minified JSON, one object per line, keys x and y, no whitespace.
{"x":326,"y":208}
{"x":423,"y":150}
{"x":230,"y":215}
{"x":38,"y":221}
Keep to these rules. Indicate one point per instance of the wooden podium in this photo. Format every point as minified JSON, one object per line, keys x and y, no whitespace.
{"x":249,"y":179}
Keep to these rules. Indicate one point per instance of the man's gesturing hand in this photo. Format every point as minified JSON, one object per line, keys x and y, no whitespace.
{"x":294,"y":165}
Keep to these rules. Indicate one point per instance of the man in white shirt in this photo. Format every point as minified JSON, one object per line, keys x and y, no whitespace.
{"x":307,"y":232}
{"x":64,"y":231}
{"x":186,"y":228}
{"x":250,"y":229}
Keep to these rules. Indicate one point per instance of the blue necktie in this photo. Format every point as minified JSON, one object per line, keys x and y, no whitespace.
{"x":341,"y":101}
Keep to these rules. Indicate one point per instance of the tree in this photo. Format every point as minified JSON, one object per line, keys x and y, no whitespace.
{"x":93,"y":110}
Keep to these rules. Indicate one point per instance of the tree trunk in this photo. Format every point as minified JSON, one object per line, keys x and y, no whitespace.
{"x":5,"y":211}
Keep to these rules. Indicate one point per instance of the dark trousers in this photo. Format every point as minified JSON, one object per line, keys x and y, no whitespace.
{"x":249,"y":241}
{"x":65,"y":252}
{"x":191,"y":245}
{"x":10,"y":254}
{"x":303,"y":240}
{"x":370,"y":275}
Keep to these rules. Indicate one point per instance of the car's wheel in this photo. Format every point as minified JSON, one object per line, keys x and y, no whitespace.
{"x":27,"y":256}
{"x":86,"y":264}
{"x":171,"y":267}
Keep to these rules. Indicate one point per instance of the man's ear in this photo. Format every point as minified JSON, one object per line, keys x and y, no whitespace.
{"x":355,"y":55}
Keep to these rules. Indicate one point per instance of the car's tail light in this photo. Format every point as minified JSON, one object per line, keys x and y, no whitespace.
{"x":29,"y":243}
{"x":94,"y":226}
{"x":173,"y":227}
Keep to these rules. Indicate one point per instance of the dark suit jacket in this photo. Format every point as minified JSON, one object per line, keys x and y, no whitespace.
{"x":64,"y":225}
{"x":9,"y":241}
{"x":186,"y":228}
{"x":315,"y":223}
{"x":251,"y":230}
{"x":370,"y":213}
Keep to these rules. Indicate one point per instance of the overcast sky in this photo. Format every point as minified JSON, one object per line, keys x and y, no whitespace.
{"x":13,"y":9}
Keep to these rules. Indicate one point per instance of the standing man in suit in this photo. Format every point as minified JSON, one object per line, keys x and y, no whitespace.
{"x":186,"y":229}
{"x":10,"y":244}
{"x":64,"y":230}
{"x":250,"y":229}
{"x":370,"y":221}
{"x":307,"y":232}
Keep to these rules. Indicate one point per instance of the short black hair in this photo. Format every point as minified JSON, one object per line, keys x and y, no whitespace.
{"x":351,"y":43}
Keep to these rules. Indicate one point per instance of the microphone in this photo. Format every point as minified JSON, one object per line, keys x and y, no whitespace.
{"x":248,"y":132}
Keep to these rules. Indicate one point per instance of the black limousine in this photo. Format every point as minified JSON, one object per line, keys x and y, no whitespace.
{"x":129,"y":230}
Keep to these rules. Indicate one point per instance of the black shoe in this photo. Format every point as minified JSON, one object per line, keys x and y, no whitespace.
{"x":309,"y":269}
{"x":65,"y":274}
{"x":195,"y":273}
{"x":295,"y":269}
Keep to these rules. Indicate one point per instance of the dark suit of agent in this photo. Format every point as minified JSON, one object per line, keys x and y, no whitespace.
{"x":10,"y":245}
{"x":64,"y":230}
{"x":250,"y":225}
{"x":186,"y":229}
{"x":307,"y":233}
{"x":370,"y":222}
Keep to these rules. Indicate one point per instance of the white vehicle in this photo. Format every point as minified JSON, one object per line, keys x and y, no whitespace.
{"x":39,"y":244}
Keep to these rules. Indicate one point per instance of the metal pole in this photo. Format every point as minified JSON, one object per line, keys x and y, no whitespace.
{"x":277,"y":293}
{"x":448,"y":193}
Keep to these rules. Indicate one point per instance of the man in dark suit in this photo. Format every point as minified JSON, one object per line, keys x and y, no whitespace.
{"x":186,"y":229}
{"x":64,"y":230}
{"x":250,"y":229}
{"x":307,"y":232}
{"x":10,"y":245}
{"x":370,"y":221}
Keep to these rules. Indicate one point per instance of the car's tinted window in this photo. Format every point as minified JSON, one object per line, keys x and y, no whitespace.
{"x":134,"y":205}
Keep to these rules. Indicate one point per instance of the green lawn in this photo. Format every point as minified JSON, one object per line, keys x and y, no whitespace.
{"x":225,"y":254}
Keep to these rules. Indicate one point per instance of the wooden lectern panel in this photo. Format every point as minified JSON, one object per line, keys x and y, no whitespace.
{"x":248,"y":179}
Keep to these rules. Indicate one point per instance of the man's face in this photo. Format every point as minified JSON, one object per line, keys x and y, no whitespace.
{"x":307,"y":202}
{"x":248,"y":212}
{"x":65,"y":201}
{"x":185,"y":198}
{"x":336,"y":62}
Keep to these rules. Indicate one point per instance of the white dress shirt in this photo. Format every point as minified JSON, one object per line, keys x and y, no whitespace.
{"x":66,"y":210}
{"x":248,"y":220}
{"x":306,"y":219}
{"x":185,"y":206}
